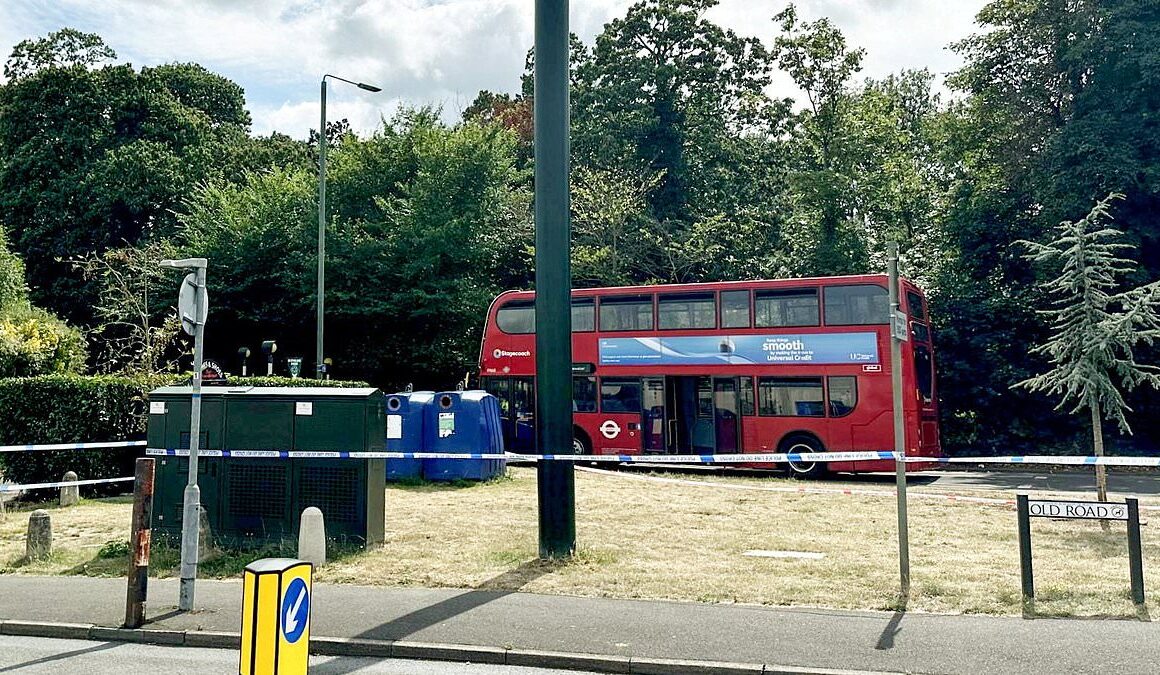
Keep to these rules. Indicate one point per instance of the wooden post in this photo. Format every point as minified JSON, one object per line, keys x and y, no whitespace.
{"x":139,"y":543}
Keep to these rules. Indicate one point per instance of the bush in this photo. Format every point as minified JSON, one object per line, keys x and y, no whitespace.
{"x":34,"y":342}
{"x":69,"y":408}
{"x":263,"y":381}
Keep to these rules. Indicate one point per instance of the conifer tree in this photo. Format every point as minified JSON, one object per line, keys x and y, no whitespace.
{"x":1094,"y":328}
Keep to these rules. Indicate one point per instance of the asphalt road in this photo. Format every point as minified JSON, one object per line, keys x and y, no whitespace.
{"x":52,"y":656}
{"x":1010,"y":481}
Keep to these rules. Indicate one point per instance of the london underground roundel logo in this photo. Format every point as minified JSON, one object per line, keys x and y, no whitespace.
{"x":610,"y":429}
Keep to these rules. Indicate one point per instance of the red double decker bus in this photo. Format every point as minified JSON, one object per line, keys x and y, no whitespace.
{"x":793,"y":365}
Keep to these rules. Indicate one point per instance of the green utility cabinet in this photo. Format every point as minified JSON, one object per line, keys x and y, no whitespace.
{"x":254,"y":501}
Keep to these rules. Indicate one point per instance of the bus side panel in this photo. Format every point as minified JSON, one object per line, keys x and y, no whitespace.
{"x":615,"y":433}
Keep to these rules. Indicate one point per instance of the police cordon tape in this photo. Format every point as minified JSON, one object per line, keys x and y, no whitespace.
{"x":756,"y":458}
{"x":766,"y":458}
{"x":740,"y":458}
{"x":60,"y":484}
{"x":1044,"y":459}
{"x":33,"y":447}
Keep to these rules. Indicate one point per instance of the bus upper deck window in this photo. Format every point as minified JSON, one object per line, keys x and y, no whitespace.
{"x":517,"y":316}
{"x":686,"y":310}
{"x":735,"y":309}
{"x":626,"y":312}
{"x":786,"y":307}
{"x":916,"y":306}
{"x":583,"y":315}
{"x":859,"y":305}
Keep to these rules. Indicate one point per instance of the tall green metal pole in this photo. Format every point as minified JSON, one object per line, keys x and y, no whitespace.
{"x":556,"y":484}
{"x":320,"y":295}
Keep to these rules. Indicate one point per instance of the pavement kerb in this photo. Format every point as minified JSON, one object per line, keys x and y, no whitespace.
{"x":356,"y":647}
{"x":67,"y":631}
{"x":569,"y":661}
{"x":684,"y":667}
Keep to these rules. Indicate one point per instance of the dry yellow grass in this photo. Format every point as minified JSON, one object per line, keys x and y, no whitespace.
{"x":665,"y":540}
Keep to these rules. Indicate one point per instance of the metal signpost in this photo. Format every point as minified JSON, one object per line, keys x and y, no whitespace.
{"x":1128,"y":511}
{"x":555,"y":485}
{"x":898,"y":334}
{"x":192,"y":307}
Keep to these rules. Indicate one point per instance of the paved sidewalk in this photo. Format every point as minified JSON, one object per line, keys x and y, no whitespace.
{"x":628,"y":635}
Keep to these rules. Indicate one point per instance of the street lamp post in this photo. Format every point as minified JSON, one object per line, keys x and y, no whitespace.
{"x":321,"y":298}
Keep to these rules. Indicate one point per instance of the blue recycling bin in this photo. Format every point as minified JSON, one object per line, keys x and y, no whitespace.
{"x":406,"y":421}
{"x":463,"y":422}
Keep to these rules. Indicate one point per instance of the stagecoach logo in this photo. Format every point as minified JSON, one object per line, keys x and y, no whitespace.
{"x":610,"y":429}
{"x":501,"y":353}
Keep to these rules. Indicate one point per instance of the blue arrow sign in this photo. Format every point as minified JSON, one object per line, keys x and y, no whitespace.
{"x":295,"y":610}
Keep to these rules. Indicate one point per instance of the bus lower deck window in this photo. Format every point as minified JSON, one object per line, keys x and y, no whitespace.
{"x":584,"y":394}
{"x":790,"y":396}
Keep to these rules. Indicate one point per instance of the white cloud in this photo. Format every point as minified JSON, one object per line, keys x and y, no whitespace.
{"x":427,"y":51}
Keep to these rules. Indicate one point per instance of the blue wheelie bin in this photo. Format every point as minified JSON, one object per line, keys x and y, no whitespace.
{"x":406,"y":421}
{"x":463,"y":422}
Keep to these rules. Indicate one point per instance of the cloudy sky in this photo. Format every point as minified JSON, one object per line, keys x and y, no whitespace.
{"x":428,"y":51}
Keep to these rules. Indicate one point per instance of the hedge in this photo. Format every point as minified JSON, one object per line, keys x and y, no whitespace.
{"x":73,"y":408}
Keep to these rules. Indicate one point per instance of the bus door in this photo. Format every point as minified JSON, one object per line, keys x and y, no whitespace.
{"x":653,"y":416}
{"x":703,"y":414}
{"x":726,"y":417}
{"x":517,"y":405}
{"x":523,"y":414}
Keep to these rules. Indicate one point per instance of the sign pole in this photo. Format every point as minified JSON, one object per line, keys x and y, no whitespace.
{"x":1025,"y":570}
{"x":898,"y":335}
{"x":1135,"y":556}
{"x":192,"y":306}
{"x":555,"y":483}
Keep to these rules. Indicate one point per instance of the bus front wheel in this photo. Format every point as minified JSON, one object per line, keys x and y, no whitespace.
{"x":802,"y":445}
{"x":580,"y":443}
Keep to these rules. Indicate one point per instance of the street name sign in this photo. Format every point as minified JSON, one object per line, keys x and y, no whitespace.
{"x":1077,"y":509}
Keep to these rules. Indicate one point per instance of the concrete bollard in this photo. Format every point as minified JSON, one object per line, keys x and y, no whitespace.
{"x":38,"y":545}
{"x":312,"y":537}
{"x":70,"y":494}
{"x":205,"y":549}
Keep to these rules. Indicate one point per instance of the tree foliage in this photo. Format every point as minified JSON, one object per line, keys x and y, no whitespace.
{"x":1095,"y":327}
{"x":99,"y":154}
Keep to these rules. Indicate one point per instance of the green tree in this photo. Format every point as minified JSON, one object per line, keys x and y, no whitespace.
{"x":816,"y":56}
{"x":97,"y":155}
{"x":668,"y":93}
{"x":1094,"y":328}
{"x":1057,"y":114}
{"x":428,"y":223}
{"x":136,"y":325}
{"x":32,"y":341}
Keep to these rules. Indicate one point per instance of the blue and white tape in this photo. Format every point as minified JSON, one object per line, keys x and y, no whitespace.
{"x":1063,"y":460}
{"x":33,"y":447}
{"x":751,"y":458}
{"x":68,"y":483}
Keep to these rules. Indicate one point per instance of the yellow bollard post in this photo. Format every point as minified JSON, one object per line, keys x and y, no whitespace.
{"x":276,"y":617}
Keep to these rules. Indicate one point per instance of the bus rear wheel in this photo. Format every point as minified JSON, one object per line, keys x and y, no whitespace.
{"x":803,"y":445}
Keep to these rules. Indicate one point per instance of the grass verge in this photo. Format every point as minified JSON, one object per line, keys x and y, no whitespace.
{"x":640,"y":539}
